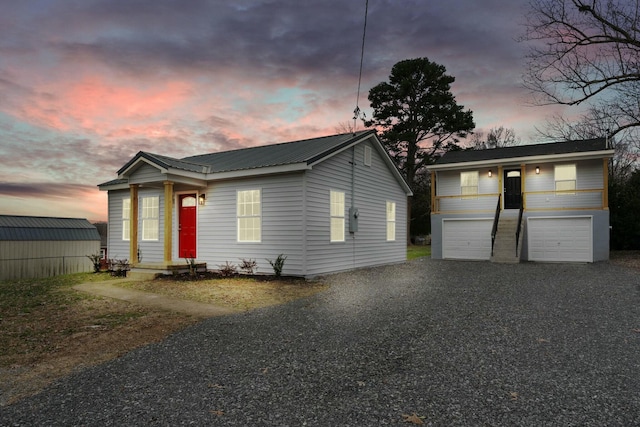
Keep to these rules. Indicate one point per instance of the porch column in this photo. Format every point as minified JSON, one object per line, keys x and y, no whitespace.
{"x":523,"y":190}
{"x":168,"y":220}
{"x":605,"y":183}
{"x":133,"y":225}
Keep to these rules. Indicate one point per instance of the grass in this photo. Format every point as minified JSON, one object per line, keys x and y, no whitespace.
{"x":239,"y":293}
{"x":415,"y":251}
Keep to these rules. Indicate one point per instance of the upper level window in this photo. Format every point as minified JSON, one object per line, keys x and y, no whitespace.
{"x":126,"y":218}
{"x":565,"y":179}
{"x":337,"y":215}
{"x":150,"y":217}
{"x":391,"y":221}
{"x":249,"y":212}
{"x":469,"y":184}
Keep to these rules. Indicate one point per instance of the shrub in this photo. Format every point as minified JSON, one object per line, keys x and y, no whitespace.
{"x":228,"y":269}
{"x":248,"y":265}
{"x":95,"y":260}
{"x":278,"y":264}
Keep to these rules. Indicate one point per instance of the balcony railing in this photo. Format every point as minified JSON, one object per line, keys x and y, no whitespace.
{"x":588,"y":199}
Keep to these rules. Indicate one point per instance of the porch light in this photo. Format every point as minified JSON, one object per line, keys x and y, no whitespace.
{"x":537,"y":170}
{"x":201,"y":199}
{"x":490,"y":173}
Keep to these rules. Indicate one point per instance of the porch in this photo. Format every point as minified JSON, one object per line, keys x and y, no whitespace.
{"x":152,"y":270}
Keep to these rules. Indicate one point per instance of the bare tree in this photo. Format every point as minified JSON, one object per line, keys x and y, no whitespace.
{"x":597,"y":123}
{"x":497,"y":137}
{"x":586,"y":50}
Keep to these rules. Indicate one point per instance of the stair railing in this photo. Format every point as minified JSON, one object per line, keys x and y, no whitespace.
{"x":496,"y":218}
{"x":519,"y":224}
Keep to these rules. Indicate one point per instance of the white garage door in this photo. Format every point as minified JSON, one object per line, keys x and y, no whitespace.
{"x":560,"y":239}
{"x":466,"y":238}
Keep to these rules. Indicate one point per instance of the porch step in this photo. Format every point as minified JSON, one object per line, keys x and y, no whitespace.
{"x":149,"y":271}
{"x":504,"y":247}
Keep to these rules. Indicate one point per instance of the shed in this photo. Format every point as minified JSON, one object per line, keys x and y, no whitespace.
{"x":36,"y":247}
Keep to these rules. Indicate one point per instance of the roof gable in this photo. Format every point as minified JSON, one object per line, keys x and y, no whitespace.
{"x":274,"y":158}
{"x":23,"y":228}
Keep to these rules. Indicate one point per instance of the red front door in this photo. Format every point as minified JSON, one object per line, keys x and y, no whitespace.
{"x":187,"y":225}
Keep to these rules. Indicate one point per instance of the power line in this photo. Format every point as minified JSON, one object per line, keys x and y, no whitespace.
{"x":356,"y":111}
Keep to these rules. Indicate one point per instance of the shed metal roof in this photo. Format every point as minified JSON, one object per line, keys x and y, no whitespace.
{"x":28,"y":228}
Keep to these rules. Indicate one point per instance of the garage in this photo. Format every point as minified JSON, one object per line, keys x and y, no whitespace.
{"x":560,"y":239}
{"x":466,"y":238}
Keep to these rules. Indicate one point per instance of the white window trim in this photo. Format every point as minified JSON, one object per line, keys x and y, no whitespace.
{"x":336,"y":219}
{"x":569,"y":191}
{"x":253,"y":215}
{"x":391,"y":221}
{"x":126,"y":219}
{"x":469,"y":195}
{"x":150,"y":216}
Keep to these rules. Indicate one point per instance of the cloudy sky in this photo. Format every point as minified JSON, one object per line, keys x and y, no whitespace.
{"x":86,"y":84}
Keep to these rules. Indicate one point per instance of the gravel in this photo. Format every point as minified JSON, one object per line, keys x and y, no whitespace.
{"x":455,"y":343}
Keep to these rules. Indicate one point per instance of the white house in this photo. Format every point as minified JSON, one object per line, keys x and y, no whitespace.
{"x":544,"y":202}
{"x":328,"y":204}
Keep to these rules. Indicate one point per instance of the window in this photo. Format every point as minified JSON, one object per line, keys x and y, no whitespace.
{"x":150,"y":217}
{"x":126,"y":218}
{"x":337,"y":216}
{"x":565,"y":178}
{"x":249,"y":216}
{"x":469,"y":184}
{"x":391,"y":221}
{"x":367,"y":156}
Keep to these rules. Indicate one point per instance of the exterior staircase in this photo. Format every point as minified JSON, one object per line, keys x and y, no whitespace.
{"x":504,"y":246}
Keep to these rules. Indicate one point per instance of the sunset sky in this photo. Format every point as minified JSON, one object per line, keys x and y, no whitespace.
{"x":86,"y":84}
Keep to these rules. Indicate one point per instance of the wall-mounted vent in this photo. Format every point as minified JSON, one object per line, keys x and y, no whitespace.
{"x":367,"y":156}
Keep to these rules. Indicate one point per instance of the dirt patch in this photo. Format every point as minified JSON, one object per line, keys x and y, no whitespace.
{"x":53,"y":337}
{"x":238,"y":293}
{"x":629,"y":259}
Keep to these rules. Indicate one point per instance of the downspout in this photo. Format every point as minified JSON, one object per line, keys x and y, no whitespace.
{"x":353,"y":203}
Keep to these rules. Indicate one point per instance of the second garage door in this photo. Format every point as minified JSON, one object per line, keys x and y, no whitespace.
{"x":466,"y":238}
{"x":560,"y":239}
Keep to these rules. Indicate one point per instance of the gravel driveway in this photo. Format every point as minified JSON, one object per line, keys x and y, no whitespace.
{"x":456,"y":343}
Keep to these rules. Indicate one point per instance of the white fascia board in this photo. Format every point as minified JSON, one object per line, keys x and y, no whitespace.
{"x":547,"y":158}
{"x":123,"y":186}
{"x":268,"y":170}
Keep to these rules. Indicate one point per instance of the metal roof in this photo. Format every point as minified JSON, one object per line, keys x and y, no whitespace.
{"x":304,"y":151}
{"x":27,"y":228}
{"x":519,"y":151}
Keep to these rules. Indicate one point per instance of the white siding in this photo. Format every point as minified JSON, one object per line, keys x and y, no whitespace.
{"x":151,"y":251}
{"x":282,"y":224}
{"x":146,"y":173}
{"x":118,"y":248}
{"x":38,"y":259}
{"x":589,"y":176}
{"x":448,"y":184}
{"x":374,"y":185}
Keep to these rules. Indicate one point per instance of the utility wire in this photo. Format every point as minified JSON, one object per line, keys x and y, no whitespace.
{"x":356,"y":111}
